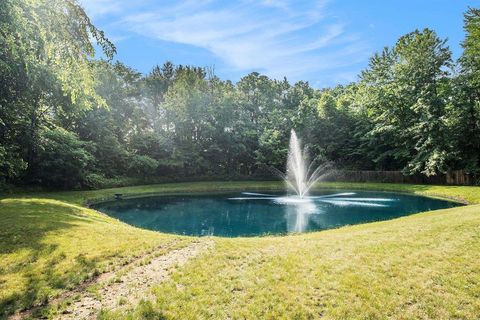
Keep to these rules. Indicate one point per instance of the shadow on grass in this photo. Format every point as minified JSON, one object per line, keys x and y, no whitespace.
{"x":28,"y":257}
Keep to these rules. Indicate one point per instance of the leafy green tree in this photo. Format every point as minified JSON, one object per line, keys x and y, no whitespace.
{"x":64,"y":160}
{"x":141,"y":166}
{"x":157,"y":83}
{"x":64,"y":113}
{"x":157,"y":146}
{"x":110,"y":128}
{"x":335,"y":129}
{"x":404,"y":99}
{"x":45,"y":48}
{"x":465,"y":105}
{"x":260,"y":113}
{"x":186,"y":106}
{"x":11,"y":165}
{"x":273,"y":148}
{"x":424,"y":61}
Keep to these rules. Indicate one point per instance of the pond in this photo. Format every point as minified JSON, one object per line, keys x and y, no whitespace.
{"x":254,"y":214}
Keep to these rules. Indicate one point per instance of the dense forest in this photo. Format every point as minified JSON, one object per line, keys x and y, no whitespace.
{"x":71,"y":120}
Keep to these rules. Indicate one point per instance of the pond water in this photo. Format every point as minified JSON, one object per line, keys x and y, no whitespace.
{"x":253,"y":214}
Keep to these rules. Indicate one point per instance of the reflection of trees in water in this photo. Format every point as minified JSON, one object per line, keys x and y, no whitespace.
{"x":252,"y":213}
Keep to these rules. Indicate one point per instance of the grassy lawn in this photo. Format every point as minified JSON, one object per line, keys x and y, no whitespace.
{"x":424,"y":266}
{"x":421,"y":266}
{"x":466,"y":194}
{"x":47,"y":246}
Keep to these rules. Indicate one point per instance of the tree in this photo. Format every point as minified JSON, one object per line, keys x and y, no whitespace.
{"x":64,"y":160}
{"x":465,"y":105}
{"x":45,"y":48}
{"x":58,"y":104}
{"x":110,"y":128}
{"x":157,"y":83}
{"x":403,"y":98}
{"x":424,"y":61}
{"x":142,"y":166}
{"x":11,"y":165}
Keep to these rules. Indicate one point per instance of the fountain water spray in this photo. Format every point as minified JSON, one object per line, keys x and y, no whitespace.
{"x":301,"y":175}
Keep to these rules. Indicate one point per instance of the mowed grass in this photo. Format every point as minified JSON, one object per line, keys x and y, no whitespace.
{"x":421,"y":266}
{"x":48,"y":246}
{"x":467,"y":194}
{"x":424,"y":266}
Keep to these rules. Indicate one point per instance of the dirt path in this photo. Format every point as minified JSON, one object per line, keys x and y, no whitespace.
{"x":127,"y":286}
{"x":120,"y":291}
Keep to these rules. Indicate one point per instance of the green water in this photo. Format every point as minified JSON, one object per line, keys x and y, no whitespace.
{"x":246,"y":214}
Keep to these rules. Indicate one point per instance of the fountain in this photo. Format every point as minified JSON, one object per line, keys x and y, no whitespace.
{"x":252,"y":213}
{"x":299,"y":176}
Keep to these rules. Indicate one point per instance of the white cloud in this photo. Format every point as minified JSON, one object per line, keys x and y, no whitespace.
{"x":96,"y":8}
{"x":279,"y":38}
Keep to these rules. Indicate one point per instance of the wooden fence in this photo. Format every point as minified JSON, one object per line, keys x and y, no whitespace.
{"x":458,"y":177}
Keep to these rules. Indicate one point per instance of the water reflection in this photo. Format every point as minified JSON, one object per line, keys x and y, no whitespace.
{"x":298,"y":214}
{"x":251,"y":214}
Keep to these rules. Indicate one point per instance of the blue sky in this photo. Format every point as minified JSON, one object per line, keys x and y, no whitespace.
{"x":325,"y":42}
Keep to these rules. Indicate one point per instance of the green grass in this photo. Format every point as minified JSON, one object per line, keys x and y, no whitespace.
{"x":47,"y":246}
{"x":421,"y":266}
{"x":424,"y":266}
{"x":466,"y":194}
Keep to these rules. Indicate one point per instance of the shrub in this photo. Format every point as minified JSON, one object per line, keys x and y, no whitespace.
{"x":142,"y":166}
{"x":11,"y":165}
{"x":63,"y":160}
{"x":95,"y":181}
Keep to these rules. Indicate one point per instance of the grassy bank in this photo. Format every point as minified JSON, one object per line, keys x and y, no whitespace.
{"x":48,"y":246}
{"x":420,"y":266}
{"x":466,"y":194}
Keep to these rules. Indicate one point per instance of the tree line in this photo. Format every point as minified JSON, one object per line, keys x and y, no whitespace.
{"x":68,"y":120}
